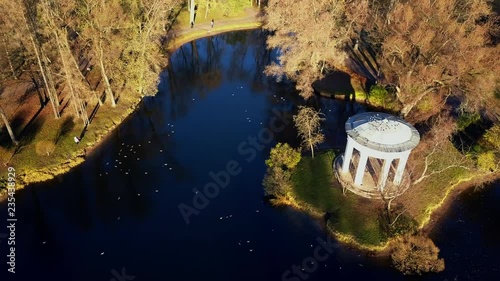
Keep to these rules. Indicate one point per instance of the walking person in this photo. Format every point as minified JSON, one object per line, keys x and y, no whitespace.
{"x":212,"y":23}
{"x":192,"y":24}
{"x":76,"y":139}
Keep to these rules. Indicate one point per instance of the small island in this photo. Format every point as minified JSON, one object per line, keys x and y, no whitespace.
{"x":382,"y":206}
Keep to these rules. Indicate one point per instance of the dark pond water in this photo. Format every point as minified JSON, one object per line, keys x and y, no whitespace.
{"x":117,"y":216}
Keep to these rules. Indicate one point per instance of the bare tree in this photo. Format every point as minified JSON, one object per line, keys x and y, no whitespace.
{"x":142,"y":58}
{"x":55,"y":18}
{"x":308,"y":122}
{"x":415,"y":254}
{"x":8,"y":56}
{"x":432,"y":147}
{"x":191,"y":11}
{"x":24,"y":25}
{"x":101,"y":25}
{"x":311,"y":37}
{"x":431,"y":50}
{"x":7,"y":125}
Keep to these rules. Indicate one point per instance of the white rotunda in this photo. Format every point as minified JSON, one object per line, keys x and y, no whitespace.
{"x":375,"y":143}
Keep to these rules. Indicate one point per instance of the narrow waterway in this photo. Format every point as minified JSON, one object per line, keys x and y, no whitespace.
{"x":213,"y":122}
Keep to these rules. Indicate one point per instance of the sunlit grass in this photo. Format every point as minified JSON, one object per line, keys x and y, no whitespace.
{"x":197,"y":34}
{"x":359,"y":220}
{"x":32,"y":167}
{"x":350,"y":215}
{"x":236,"y":10}
{"x":224,"y":22}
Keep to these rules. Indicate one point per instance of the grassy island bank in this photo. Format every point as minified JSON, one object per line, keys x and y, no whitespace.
{"x":349,"y":217}
{"x":367,"y":223}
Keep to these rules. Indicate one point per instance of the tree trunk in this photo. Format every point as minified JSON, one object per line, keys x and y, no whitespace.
{"x":107,"y":85}
{"x":207,"y":8}
{"x":41,"y":98}
{"x":76,"y":100}
{"x":7,"y":55}
{"x":7,"y":125}
{"x":409,"y":106}
{"x":48,"y":90}
{"x":141,"y":75}
{"x":49,"y":75}
{"x":310,"y":144}
{"x":80,"y":79}
{"x":191,"y":12}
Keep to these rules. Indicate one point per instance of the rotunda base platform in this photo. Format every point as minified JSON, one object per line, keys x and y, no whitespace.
{"x":370,"y":188}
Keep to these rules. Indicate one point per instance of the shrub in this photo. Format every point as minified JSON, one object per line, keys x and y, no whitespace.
{"x":396,"y":222}
{"x":486,"y":161}
{"x":44,"y":148}
{"x":403,"y":225}
{"x":415,"y":255}
{"x":283,"y":156}
{"x":277,"y":181}
{"x":466,"y":119}
{"x":378,"y":95}
{"x":492,"y":136}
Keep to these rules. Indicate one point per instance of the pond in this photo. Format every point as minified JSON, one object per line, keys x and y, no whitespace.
{"x":211,"y":126}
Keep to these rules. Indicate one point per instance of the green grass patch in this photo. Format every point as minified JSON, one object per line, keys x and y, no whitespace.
{"x":27,"y":160}
{"x":315,"y":186}
{"x":380,"y":97}
{"x":222,"y":11}
{"x":425,"y":104}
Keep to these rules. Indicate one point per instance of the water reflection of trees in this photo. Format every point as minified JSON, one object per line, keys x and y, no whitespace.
{"x":249,"y":57}
{"x":199,"y":67}
{"x":262,"y":57}
{"x":193,"y":70}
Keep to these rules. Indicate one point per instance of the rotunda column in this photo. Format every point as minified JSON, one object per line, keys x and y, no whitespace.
{"x":360,"y":171}
{"x":385,"y":173}
{"x":347,"y":156}
{"x":401,"y":168}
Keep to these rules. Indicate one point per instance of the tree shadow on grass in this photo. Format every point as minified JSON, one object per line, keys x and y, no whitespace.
{"x":94,"y":112}
{"x":26,"y":95}
{"x":67,"y":126}
{"x":29,"y":133}
{"x":332,"y":216}
{"x":16,"y":124}
{"x":64,"y":106}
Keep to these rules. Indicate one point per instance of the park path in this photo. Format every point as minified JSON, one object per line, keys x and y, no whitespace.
{"x":252,"y":16}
